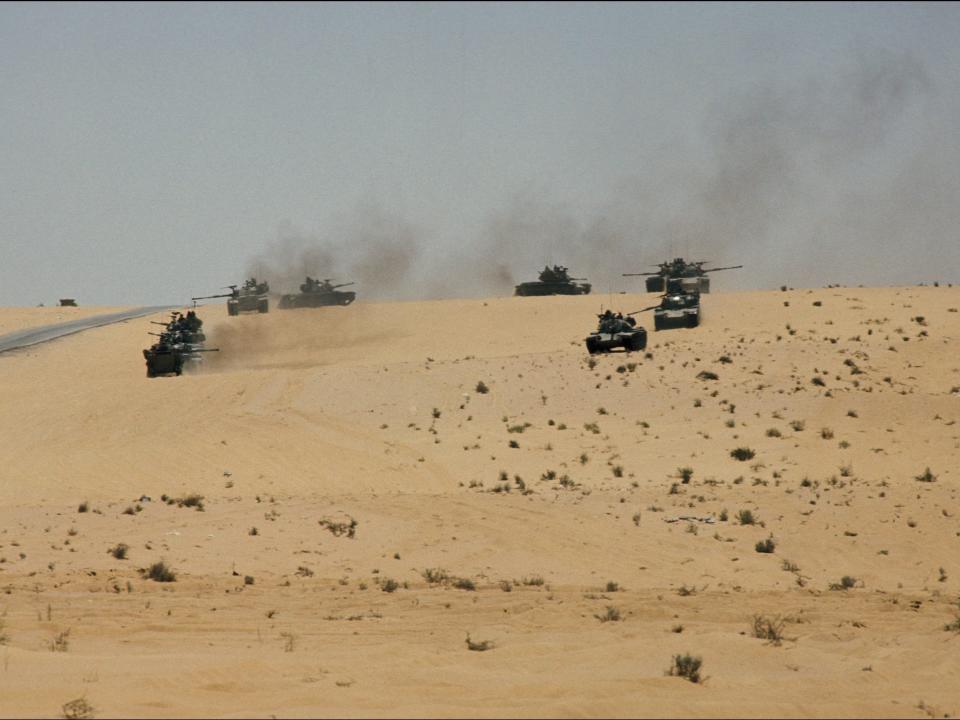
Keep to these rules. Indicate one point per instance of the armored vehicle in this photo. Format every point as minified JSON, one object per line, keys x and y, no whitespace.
{"x":68,"y":302}
{"x":615,"y":331}
{"x":252,"y":297}
{"x":677,"y":309}
{"x":318,"y":293}
{"x":180,"y":344}
{"x":553,"y":281}
{"x":692,"y":276}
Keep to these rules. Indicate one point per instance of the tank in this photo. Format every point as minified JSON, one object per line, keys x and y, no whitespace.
{"x":68,"y":302}
{"x":615,"y":331}
{"x":677,"y":309}
{"x":553,"y":281}
{"x":318,"y":293}
{"x":180,"y":345}
{"x":691,"y":276}
{"x":252,"y":297}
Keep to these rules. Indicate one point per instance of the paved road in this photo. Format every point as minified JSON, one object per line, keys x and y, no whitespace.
{"x":45,"y":333}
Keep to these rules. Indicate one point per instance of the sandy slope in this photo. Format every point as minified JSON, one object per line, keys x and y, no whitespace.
{"x":371,"y":412}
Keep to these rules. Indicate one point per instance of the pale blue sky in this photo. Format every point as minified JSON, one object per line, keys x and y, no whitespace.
{"x":151,"y":152}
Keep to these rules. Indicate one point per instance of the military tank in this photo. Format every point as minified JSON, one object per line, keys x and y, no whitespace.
{"x":692,"y":276}
{"x":554,"y":280}
{"x":180,"y":344}
{"x":676,"y":309}
{"x":615,"y":331}
{"x":318,"y":293}
{"x":252,"y":297}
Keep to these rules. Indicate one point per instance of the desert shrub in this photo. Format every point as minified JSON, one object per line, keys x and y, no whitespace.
{"x":826,"y":433}
{"x":742,"y":454}
{"x":685,"y":474}
{"x":464,"y":584}
{"x":612,"y":586}
{"x":745,"y":517}
{"x":611,"y":614}
{"x":119,"y":551}
{"x":78,"y":709}
{"x":389,"y":585}
{"x":160,"y":572}
{"x":340,"y":527}
{"x":435,"y":576}
{"x":797,"y":425}
{"x":482,"y":388}
{"x":707,"y":375}
{"x":768,"y":628}
{"x":765,"y":546}
{"x":83,"y":507}
{"x":773,"y":432}
{"x":817,"y":380}
{"x":479,"y":646}
{"x":846,"y":583}
{"x":926,"y":476}
{"x":686,"y":666}
{"x":534,"y":580}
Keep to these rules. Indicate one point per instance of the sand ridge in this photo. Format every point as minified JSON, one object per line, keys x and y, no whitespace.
{"x":558,"y":494}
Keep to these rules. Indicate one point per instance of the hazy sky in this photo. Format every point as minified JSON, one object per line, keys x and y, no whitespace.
{"x":151,"y":152}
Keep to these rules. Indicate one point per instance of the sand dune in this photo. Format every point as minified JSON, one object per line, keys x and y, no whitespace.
{"x":308,"y":419}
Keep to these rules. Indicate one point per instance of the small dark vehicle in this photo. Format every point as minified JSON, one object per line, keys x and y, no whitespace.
{"x":692,"y":276}
{"x":252,"y":297}
{"x":318,"y":293}
{"x":553,"y":281}
{"x":68,"y":302}
{"x":615,"y":331}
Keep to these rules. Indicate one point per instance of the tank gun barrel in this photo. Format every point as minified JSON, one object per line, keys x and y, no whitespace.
{"x":344,"y":284}
{"x":211,"y":297}
{"x":640,"y":274}
{"x":730,"y":267}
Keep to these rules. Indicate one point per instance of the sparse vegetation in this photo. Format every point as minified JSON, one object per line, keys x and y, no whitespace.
{"x":610,"y":615}
{"x":846,"y":583}
{"x":78,"y":709}
{"x":745,"y":517}
{"x":768,"y":628}
{"x":480,"y":646}
{"x":83,"y":507}
{"x":119,"y":551}
{"x":340,"y":527}
{"x":742,"y":454}
{"x":159,"y":572}
{"x":435,"y":576}
{"x":773,"y":432}
{"x":686,"y":666}
{"x":926,"y":476}
{"x":766,"y":546}
{"x":463,"y":584}
{"x":685,"y":473}
{"x":389,"y":585}
{"x":482,"y":388}
{"x":798,"y":425}
{"x":707,"y":375}
{"x":61,"y":641}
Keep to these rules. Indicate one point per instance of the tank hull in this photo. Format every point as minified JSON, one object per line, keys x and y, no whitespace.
{"x":536,"y":288}
{"x":314,"y":300}
{"x":629,"y":341}
{"x":163,"y":363}
{"x":248,"y":303}
{"x":667,"y":319}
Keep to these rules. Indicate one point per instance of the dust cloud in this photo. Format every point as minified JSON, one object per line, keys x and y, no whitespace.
{"x":846,"y":177}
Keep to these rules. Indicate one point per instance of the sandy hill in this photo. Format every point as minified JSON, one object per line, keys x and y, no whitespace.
{"x":365,"y":507}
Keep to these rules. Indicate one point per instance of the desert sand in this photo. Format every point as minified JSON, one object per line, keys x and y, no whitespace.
{"x":365,"y":509}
